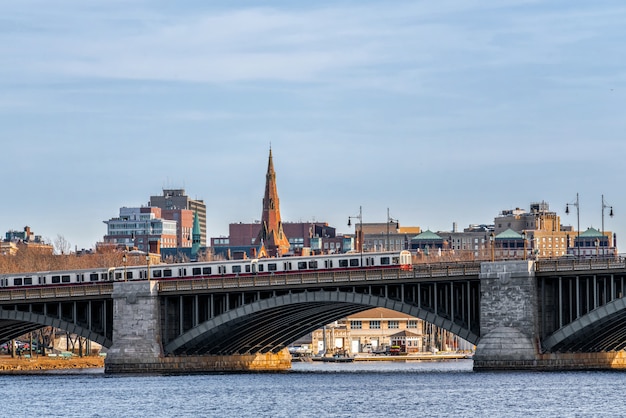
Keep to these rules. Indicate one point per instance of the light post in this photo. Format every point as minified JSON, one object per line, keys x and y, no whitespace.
{"x":604,"y":206}
{"x":359,"y":235}
{"x":148,"y":264}
{"x":389,"y":221}
{"x":492,"y":242}
{"x":124,"y":261}
{"x":577,"y":204}
{"x":524,"y":239}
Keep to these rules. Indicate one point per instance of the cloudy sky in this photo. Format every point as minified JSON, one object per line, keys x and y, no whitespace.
{"x":443,"y":112}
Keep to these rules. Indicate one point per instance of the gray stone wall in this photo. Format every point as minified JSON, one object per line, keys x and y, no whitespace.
{"x":508,"y":297}
{"x":508,"y":316}
{"x":136,"y":324}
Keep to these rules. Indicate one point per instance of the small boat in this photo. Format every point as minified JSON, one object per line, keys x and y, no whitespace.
{"x":334,"y":359}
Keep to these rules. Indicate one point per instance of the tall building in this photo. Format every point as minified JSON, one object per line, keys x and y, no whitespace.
{"x":177,"y":199}
{"x":271,"y":238}
{"x":539,"y":233}
{"x":143,"y":228}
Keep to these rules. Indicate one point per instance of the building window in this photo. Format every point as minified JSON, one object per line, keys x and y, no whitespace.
{"x":356,"y":324}
{"x":394,"y":325}
{"x":412,"y":323}
{"x":374,"y":324}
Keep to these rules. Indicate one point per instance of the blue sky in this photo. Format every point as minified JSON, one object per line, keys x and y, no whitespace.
{"x":443,"y":112}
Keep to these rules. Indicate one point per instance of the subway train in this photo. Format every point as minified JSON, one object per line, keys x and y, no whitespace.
{"x":217,"y":269}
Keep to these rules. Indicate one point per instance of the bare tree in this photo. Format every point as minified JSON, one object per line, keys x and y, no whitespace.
{"x":61,"y":245}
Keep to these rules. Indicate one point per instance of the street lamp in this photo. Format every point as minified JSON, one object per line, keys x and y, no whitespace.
{"x":524,"y":239}
{"x":604,"y":206}
{"x":492,"y":243}
{"x":359,"y":235}
{"x":389,"y":221}
{"x":148,"y":264}
{"x":124,"y":261}
{"x":577,"y":204}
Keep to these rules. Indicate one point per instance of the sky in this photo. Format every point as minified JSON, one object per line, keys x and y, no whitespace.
{"x":442,"y":112}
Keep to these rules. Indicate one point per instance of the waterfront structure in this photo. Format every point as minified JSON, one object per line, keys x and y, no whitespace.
{"x":556,"y":314}
{"x":363,"y":332}
{"x":143,"y":228}
{"x":176,"y":200}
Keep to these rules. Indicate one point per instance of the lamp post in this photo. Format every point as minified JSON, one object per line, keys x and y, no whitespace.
{"x":492,"y":243}
{"x":148,"y":264}
{"x":389,"y":221}
{"x":604,"y":206}
{"x":124,"y":261}
{"x":359,"y":235}
{"x":524,"y":239}
{"x":577,"y":204}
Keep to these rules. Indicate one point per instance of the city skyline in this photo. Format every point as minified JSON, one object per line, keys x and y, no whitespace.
{"x":444,"y":113}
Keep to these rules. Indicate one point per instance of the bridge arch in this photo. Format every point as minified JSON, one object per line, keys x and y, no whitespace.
{"x":269,"y":325}
{"x":16,"y":323}
{"x":603,"y":329}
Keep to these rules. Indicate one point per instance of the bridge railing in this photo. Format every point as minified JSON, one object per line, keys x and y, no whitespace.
{"x":582,"y":264}
{"x":313,"y":278}
{"x":51,"y":292}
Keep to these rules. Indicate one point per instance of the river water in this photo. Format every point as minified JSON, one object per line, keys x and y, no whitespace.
{"x":431,"y":389}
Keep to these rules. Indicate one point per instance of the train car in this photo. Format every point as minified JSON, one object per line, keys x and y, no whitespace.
{"x":60,"y":277}
{"x":262,"y":266}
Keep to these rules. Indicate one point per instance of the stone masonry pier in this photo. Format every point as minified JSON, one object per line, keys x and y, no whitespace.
{"x":510,"y":326}
{"x":137,"y":344}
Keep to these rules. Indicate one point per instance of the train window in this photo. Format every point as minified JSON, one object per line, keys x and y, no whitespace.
{"x":56,"y":279}
{"x":196,"y":271}
{"x":129,"y":275}
{"x":343,"y":263}
{"x":221,"y":269}
{"x":287,"y":266}
{"x":328,"y":264}
{"x":260,"y":267}
{"x":396,"y":260}
{"x":118,"y":275}
{"x":312,"y":264}
{"x":17,"y":281}
{"x":206,"y":270}
{"x":301,"y":265}
{"x":42,"y":279}
{"x":65,"y":278}
{"x":167,"y":273}
{"x":247,"y":268}
{"x":236,"y":269}
{"x":156,"y":273}
{"x":384,"y":261}
{"x":103,"y":276}
{"x":28,"y":280}
{"x":354,"y":262}
{"x":93,"y":277}
{"x":272,"y":267}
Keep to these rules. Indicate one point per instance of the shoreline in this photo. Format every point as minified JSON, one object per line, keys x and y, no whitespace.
{"x":9,"y":365}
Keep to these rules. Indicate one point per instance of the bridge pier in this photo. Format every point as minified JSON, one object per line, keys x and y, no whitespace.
{"x":137,"y":340}
{"x":510,"y":332}
{"x":508,"y":323}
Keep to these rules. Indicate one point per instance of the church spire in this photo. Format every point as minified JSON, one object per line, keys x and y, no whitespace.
{"x":271,"y":234}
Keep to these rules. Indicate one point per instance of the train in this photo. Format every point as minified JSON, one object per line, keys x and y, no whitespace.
{"x":217,"y":269}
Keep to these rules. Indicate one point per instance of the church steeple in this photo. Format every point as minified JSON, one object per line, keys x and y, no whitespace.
{"x":195,"y":237}
{"x":271,"y":235}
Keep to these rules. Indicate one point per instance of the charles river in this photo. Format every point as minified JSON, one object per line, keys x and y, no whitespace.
{"x":360,"y":389}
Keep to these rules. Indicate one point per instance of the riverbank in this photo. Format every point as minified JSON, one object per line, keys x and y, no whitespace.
{"x":18,"y":365}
